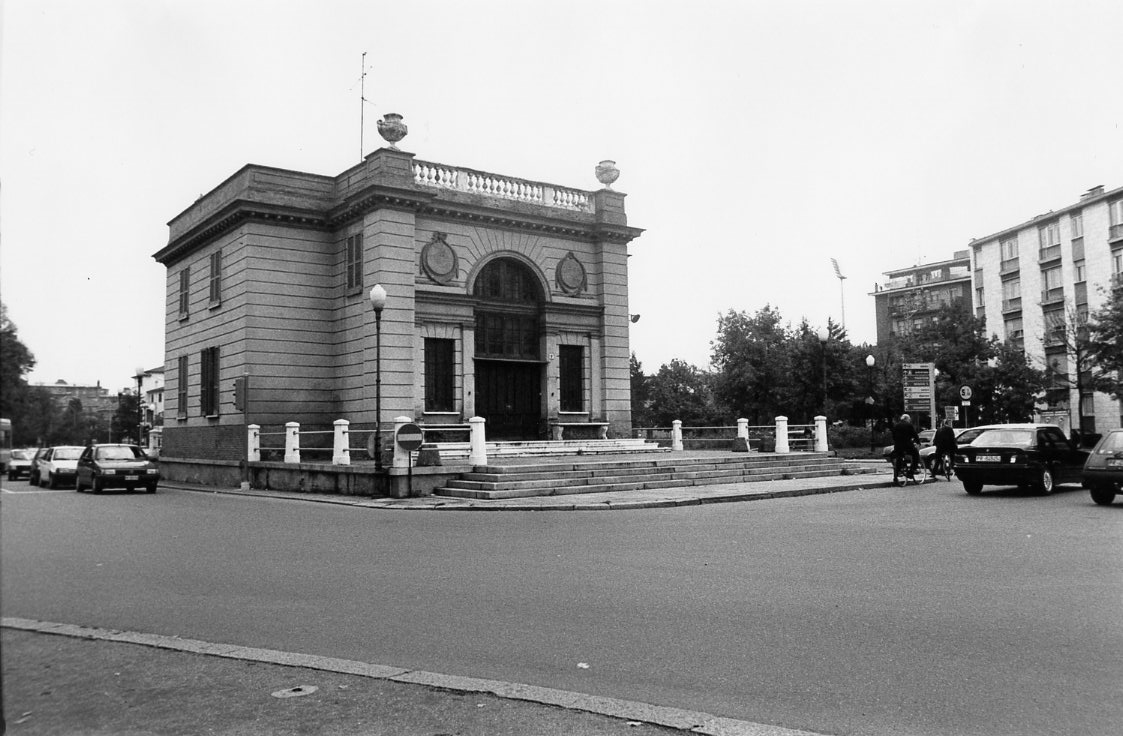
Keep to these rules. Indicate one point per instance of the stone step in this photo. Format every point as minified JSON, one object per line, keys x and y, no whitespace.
{"x":628,"y":475}
{"x":634,"y":485}
{"x":521,"y":473}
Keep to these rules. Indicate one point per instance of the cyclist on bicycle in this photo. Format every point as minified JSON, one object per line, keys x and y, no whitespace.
{"x":905,"y":441}
{"x":944,"y":442}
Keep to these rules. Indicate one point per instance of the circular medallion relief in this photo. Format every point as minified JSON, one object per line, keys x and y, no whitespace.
{"x":571,"y":275}
{"x":439,"y":260}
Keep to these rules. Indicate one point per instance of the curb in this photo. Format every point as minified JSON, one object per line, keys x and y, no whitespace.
{"x":684,"y":720}
{"x":437,"y":503}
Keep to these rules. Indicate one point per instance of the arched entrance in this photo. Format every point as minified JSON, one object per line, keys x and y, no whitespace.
{"x":508,"y":360}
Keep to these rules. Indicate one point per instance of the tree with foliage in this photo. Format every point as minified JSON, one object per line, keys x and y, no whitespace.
{"x":683,"y":391}
{"x":1105,"y":345}
{"x":16,"y":361}
{"x":123,"y":425}
{"x":1070,"y":370}
{"x":752,"y":355}
{"x":1007,"y":388}
{"x":641,"y":393}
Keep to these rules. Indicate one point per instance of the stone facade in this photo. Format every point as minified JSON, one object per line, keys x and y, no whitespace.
{"x":268,"y":277}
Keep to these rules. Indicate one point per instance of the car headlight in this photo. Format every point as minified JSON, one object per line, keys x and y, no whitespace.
{"x":152,"y":471}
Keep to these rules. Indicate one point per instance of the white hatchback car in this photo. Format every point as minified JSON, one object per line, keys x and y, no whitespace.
{"x":59,"y":465}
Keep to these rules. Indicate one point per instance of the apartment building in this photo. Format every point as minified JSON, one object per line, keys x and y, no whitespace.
{"x":914,"y":295}
{"x":1033,"y":281}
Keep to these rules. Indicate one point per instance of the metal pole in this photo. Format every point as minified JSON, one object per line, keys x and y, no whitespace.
{"x":139,"y":413}
{"x":378,"y":390}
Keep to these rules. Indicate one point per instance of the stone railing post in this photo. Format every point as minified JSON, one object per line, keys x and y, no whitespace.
{"x":253,"y":443}
{"x":782,"y":434}
{"x":478,"y":453}
{"x":820,"y":434}
{"x":742,"y":429}
{"x":292,"y":442}
{"x":676,"y":435}
{"x":341,"y":445}
{"x":401,"y":457}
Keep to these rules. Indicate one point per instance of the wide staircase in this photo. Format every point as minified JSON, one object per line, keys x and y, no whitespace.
{"x":451,"y":451}
{"x":557,"y":477}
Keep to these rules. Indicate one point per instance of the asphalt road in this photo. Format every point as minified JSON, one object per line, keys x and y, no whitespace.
{"x":888,"y":611}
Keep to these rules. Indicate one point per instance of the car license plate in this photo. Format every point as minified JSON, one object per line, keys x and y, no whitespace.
{"x":1114,"y":462}
{"x":988,"y":458}
{"x":132,"y":477}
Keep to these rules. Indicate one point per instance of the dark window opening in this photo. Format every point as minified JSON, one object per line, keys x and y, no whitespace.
{"x":440,"y":379}
{"x":572,"y":370}
{"x":208,"y":382}
{"x":181,"y":388}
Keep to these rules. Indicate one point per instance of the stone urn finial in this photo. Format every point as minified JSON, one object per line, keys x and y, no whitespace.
{"x":607,"y":173}
{"x":392,"y":129}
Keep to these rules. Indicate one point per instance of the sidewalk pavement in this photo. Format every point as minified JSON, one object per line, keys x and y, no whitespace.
{"x":686,"y":495}
{"x":63,"y":679}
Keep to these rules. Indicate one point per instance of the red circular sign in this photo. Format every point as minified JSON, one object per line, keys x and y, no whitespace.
{"x":409,"y":437}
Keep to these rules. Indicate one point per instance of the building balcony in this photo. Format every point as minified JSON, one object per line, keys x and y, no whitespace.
{"x":1115,"y":233}
{"x":1117,"y":280}
{"x":1010,"y":266}
{"x":1052,"y":296}
{"x":1049,"y":254}
{"x":1012,"y":305}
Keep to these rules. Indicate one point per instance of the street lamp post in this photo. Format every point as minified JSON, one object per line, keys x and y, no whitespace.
{"x":139,"y":408}
{"x":869,"y":380}
{"x":378,"y":303}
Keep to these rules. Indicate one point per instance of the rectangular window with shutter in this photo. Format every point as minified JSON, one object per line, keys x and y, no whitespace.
{"x":216,"y":278}
{"x":181,"y":388}
{"x":208,"y":382}
{"x":354,"y":263}
{"x":184,"y":292}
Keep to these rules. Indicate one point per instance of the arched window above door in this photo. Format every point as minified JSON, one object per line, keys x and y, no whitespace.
{"x":507,"y":280}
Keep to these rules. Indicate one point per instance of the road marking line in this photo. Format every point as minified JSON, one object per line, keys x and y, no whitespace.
{"x":56,"y":490}
{"x":687,"y":720}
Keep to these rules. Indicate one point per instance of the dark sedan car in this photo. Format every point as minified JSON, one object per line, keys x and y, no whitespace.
{"x":1103,"y":471}
{"x":116,"y":466}
{"x":1026,"y":455}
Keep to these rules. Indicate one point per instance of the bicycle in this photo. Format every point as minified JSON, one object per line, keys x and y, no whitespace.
{"x":901,"y":474}
{"x":943,"y":464}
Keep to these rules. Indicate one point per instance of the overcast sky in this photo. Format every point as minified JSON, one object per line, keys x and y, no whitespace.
{"x":755,"y":140}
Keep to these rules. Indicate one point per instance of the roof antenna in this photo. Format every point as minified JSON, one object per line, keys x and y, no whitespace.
{"x":362,"y":104}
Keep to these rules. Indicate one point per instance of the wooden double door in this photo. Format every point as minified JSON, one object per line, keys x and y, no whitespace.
{"x":509,"y":397}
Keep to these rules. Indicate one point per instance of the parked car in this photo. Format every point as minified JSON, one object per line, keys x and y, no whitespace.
{"x":116,"y":466}
{"x":1027,"y":455}
{"x":57,"y":465}
{"x":20,"y":464}
{"x":1103,"y":471}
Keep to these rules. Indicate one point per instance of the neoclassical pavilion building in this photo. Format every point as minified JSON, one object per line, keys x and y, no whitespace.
{"x":506,"y":299}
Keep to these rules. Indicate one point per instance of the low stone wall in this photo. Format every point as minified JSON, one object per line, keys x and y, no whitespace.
{"x":344,"y":480}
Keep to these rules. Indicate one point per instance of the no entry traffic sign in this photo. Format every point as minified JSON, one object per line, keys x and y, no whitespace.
{"x":409,"y":437}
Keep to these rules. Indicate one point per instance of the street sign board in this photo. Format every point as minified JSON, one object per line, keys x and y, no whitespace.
{"x":409,"y":437}
{"x":965,"y":393}
{"x":918,"y":380}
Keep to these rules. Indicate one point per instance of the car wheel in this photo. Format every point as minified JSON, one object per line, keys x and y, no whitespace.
{"x":52,"y":481}
{"x":151,"y":488}
{"x":1045,"y":482}
{"x":1103,"y":495}
{"x":11,"y":476}
{"x":972,"y":487}
{"x":78,"y":483}
{"x":95,"y":485}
